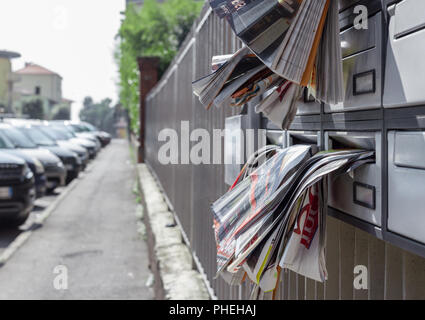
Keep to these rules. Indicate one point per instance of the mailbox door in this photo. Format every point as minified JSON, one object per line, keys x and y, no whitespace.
{"x":361,"y":52}
{"x":357,"y":193}
{"x":405,"y":65}
{"x":406,"y":184}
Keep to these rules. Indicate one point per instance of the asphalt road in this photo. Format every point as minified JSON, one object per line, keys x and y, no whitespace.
{"x":88,"y":248}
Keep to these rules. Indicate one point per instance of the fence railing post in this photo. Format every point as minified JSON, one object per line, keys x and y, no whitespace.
{"x":148,"y":68}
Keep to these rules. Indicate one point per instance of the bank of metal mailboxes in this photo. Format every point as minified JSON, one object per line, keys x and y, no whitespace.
{"x":362,"y":68}
{"x":406,"y":184}
{"x":405,"y":63}
{"x":357,"y":193}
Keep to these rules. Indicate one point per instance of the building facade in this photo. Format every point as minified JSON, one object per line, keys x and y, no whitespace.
{"x":35,"y":80}
{"x":7,"y":80}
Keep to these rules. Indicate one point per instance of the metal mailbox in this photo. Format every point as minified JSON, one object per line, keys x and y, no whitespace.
{"x":405,"y":63}
{"x":406,"y":183}
{"x":361,"y":52}
{"x":357,"y":193}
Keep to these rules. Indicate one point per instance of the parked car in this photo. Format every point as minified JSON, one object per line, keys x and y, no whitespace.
{"x":61,"y":135}
{"x":68,"y":145}
{"x":70,"y":159}
{"x":83,"y":127}
{"x":104,"y":137}
{"x":17,"y":191}
{"x":40,"y":180}
{"x":64,"y":125}
{"x":53,"y":167}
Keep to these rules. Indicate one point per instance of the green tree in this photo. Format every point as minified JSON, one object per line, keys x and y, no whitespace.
{"x":98,"y":114}
{"x":181,"y":15}
{"x":158,"y":29}
{"x":34,"y":109}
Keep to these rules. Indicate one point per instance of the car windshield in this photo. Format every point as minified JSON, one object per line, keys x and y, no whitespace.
{"x":51,"y":133}
{"x":5,"y":143}
{"x":70,"y":130}
{"x":77,"y":128}
{"x":63,"y":132}
{"x":64,"y":129}
{"x":18,"y":138}
{"x":90,"y":127}
{"x":37,"y":136}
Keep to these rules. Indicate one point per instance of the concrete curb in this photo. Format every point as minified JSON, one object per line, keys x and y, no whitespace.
{"x":170,"y":259}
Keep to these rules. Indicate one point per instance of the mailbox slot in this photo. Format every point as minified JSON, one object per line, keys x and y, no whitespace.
{"x":405,"y":65}
{"x":361,"y":58}
{"x":307,"y":104}
{"x":276,"y":137}
{"x":344,"y":4}
{"x":406,"y":183}
{"x":312,"y":138}
{"x":357,"y":193}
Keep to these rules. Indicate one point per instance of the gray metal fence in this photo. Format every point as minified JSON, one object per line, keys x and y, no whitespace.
{"x":190,"y":189}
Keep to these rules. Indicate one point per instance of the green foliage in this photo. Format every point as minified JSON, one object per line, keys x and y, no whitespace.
{"x":96,"y":112}
{"x":101,"y":114}
{"x":158,"y":29}
{"x":181,"y":15}
{"x":34,"y":109}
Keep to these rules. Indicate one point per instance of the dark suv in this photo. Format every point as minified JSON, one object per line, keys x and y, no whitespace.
{"x":53,"y":167}
{"x":17,"y":191}
{"x":40,"y":180}
{"x":104,"y":137}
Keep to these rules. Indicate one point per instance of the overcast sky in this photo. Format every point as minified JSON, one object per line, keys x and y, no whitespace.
{"x":74,"y":38}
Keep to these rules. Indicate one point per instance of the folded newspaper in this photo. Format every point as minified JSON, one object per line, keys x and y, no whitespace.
{"x":289,"y":44}
{"x":274,"y":215}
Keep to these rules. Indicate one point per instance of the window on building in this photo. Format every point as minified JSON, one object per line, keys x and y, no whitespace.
{"x":37,"y":91}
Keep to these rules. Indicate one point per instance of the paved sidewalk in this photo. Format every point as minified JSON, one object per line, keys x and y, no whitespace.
{"x":93,"y":233}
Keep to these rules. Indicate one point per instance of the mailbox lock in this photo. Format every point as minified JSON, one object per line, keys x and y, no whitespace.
{"x":364,"y":195}
{"x":364,"y":83}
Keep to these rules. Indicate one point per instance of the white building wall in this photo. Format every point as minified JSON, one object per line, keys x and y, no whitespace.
{"x":50,"y":85}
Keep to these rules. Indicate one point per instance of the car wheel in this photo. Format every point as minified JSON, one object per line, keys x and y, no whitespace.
{"x":50,"y":190}
{"x":19,"y":220}
{"x":71,"y":176}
